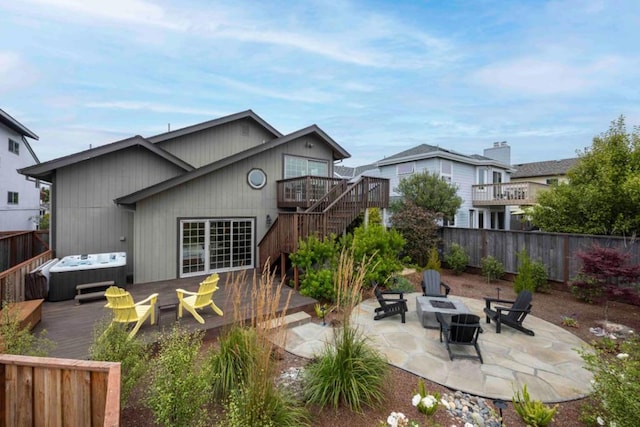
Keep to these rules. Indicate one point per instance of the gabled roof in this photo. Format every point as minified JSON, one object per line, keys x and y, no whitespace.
{"x":425,"y":151}
{"x":131,"y":199}
{"x":15,"y":125}
{"x":44,"y":171}
{"x":352,"y":172}
{"x":545,"y":168}
{"x":213,"y":123}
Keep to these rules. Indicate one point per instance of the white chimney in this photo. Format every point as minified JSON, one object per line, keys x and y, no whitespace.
{"x":500,"y":152}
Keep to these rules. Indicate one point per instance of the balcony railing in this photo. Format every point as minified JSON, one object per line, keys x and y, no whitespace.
{"x":304,"y":191}
{"x":506,"y":194}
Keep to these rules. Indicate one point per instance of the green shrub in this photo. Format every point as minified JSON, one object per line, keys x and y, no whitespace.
{"x":616,"y":385}
{"x":492,"y":269}
{"x":585,"y":288}
{"x":534,"y":413}
{"x":315,"y":253}
{"x":20,"y":341}
{"x":266,"y":407}
{"x":400,"y":284}
{"x":540,"y":277}
{"x":317,"y":284}
{"x":375,"y":216}
{"x":433,"y":261}
{"x":349,"y":372}
{"x":457,"y":258}
{"x":380,"y":246}
{"x":111,"y":343}
{"x":180,"y":384}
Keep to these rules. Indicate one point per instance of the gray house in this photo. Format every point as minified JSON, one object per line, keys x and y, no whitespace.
{"x":223,"y":195}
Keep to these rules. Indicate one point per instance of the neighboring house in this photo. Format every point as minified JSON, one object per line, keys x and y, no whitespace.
{"x":19,"y":195}
{"x":482,"y":181}
{"x":195,"y":200}
{"x":547,"y":172}
{"x":478,"y":179}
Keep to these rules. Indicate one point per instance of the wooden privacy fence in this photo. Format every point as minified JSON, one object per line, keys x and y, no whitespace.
{"x":42,"y":391}
{"x":557,"y":251}
{"x":12,"y":281}
{"x":19,"y":246}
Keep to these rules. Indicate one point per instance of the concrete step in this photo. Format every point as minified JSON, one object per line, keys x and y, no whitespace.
{"x":291,"y":320}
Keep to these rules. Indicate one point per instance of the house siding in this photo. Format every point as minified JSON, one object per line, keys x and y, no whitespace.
{"x":87,"y":219}
{"x":209,"y":145}
{"x":21,"y":216}
{"x":222,"y":194}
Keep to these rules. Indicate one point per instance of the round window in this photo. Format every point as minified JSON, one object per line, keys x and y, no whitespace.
{"x":257,"y":178}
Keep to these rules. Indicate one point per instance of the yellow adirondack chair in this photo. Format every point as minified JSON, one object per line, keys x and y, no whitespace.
{"x":126,"y":311}
{"x":200,"y":299}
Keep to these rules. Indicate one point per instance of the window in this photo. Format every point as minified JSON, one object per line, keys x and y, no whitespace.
{"x":257,"y":178}
{"x":552,"y":181}
{"x":482,"y":176}
{"x":14,"y":146}
{"x":405,"y":168}
{"x":12,"y":198}
{"x":301,"y":166}
{"x":446,"y":171}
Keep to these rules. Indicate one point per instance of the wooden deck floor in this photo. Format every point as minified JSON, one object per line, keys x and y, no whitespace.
{"x":71,"y":326}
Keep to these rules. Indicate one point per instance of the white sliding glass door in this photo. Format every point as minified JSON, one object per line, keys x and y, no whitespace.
{"x":216,"y":245}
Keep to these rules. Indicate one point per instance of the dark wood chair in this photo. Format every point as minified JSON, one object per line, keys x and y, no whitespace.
{"x":511,"y":316}
{"x":389,"y":306}
{"x":432,"y":285}
{"x":461,"y":330}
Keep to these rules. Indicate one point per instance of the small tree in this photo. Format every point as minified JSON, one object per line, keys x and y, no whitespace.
{"x":419,"y":228}
{"x":492,"y":269}
{"x":433,"y":262}
{"x":428,"y":191}
{"x":605,"y":274}
{"x":524,"y":279}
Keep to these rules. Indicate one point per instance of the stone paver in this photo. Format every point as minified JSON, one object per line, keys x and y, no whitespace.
{"x":547,"y":362}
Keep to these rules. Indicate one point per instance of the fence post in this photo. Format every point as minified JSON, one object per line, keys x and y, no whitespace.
{"x":566,"y":257}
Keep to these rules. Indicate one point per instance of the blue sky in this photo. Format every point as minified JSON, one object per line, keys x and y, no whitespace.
{"x":378,"y":76}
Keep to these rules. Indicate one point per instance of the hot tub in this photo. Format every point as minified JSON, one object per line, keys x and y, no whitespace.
{"x":74,"y":270}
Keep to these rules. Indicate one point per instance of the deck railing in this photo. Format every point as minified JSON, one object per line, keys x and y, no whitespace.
{"x":19,"y":246}
{"x":340,"y":211}
{"x":506,"y":194}
{"x":12,"y":281}
{"x":43,"y":391}
{"x":304,"y":191}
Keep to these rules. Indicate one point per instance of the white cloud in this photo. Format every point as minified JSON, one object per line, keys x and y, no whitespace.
{"x":15,"y":73}
{"x":135,"y":11}
{"x":532,"y":76}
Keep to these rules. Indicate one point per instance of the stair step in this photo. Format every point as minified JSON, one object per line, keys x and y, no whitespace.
{"x":291,"y":320}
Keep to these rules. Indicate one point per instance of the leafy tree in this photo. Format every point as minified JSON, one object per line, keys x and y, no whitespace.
{"x":419,"y":228}
{"x":603,"y":191}
{"x":428,"y":191}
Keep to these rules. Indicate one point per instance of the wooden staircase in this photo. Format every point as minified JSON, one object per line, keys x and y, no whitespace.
{"x":330,"y":214}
